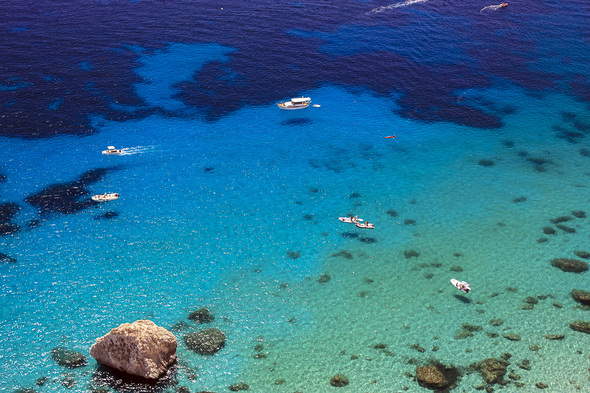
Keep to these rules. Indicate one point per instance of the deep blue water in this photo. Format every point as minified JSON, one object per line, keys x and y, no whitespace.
{"x":228,"y":202}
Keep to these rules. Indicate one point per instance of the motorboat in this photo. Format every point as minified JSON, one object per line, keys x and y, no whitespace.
{"x":503,"y":5}
{"x":463,"y":286}
{"x":112,"y":150}
{"x":365,"y":225}
{"x":350,"y":220}
{"x":106,"y":197}
{"x":295,"y":103}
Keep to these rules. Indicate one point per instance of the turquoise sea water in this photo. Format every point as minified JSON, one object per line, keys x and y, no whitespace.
{"x":238,"y":212}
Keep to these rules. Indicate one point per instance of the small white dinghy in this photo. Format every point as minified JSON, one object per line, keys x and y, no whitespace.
{"x":105,"y":197}
{"x":350,"y":220}
{"x":463,"y":286}
{"x":112,"y":150}
{"x":365,"y":225}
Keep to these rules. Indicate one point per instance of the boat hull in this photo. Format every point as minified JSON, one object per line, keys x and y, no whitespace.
{"x":292,"y":108}
{"x":104,"y":197}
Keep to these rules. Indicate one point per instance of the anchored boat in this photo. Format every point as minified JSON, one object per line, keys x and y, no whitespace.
{"x":295,"y":103}
{"x":105,"y":197}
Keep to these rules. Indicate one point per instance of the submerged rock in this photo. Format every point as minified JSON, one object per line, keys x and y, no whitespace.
{"x":205,"y":342}
{"x":581,"y":296}
{"x":512,"y":336}
{"x":580,"y":326}
{"x":582,"y":254}
{"x":411,"y":254}
{"x":236,"y":387}
{"x":431,"y":377}
{"x":140,"y":348}
{"x":324,"y":278}
{"x":339,"y":380}
{"x":561,"y":219}
{"x":566,"y":229}
{"x":579,"y":214}
{"x":570,"y":265}
{"x":496,"y":321}
{"x":68,"y":358}
{"x":493,"y":370}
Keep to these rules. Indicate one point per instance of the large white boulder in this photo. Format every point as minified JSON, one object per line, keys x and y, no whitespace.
{"x":140,"y":348}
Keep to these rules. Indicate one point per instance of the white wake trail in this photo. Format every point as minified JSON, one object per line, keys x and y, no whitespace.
{"x":396,"y":5}
{"x":490,"y":8}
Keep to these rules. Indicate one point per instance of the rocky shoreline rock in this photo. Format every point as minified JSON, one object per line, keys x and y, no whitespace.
{"x":140,"y":349}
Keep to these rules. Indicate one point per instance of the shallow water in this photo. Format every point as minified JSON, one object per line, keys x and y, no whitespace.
{"x":228,"y":202}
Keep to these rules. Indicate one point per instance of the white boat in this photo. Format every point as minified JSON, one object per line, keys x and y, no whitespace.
{"x":105,"y":197}
{"x":295,"y":103}
{"x":350,"y":220}
{"x":463,"y":286}
{"x":112,"y":150}
{"x":365,"y":225}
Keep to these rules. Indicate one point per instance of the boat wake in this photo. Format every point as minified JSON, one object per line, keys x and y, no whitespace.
{"x":490,"y":8}
{"x":135,"y":150}
{"x":396,"y":5}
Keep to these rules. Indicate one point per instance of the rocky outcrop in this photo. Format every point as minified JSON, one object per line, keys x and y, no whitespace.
{"x":581,"y":296}
{"x":205,"y":342}
{"x":140,"y":348}
{"x":570,"y":265}
{"x":431,"y":377}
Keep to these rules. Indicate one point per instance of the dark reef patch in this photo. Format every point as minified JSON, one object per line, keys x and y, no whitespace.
{"x":7,"y":212}
{"x":566,"y":229}
{"x":485,"y":162}
{"x":67,"y":198}
{"x":299,"y":121}
{"x":4,"y":258}
{"x":350,"y":235}
{"x":579,"y":213}
{"x":343,"y":254}
{"x":411,"y":254}
{"x":107,"y":216}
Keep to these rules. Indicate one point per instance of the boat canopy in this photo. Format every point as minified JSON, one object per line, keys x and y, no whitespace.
{"x":300,"y":100}
{"x":111,"y":147}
